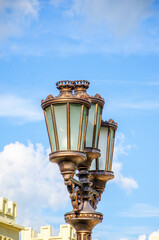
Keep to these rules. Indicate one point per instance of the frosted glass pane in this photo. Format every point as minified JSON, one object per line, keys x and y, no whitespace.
{"x":93,"y":165}
{"x":110,"y":146}
{"x":83,"y":127}
{"x":51,"y":129}
{"x":61,"y":124}
{"x":90,"y":126}
{"x":103,"y":138}
{"x":75,"y":114}
{"x":97,"y":125}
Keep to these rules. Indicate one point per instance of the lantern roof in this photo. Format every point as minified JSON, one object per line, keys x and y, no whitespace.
{"x":110,"y":123}
{"x":66,"y":87}
{"x":80,"y":87}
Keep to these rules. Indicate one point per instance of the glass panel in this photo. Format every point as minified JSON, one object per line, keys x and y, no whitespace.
{"x":51,"y":129}
{"x":97,"y":125}
{"x":93,"y":165}
{"x":83,"y":127}
{"x":90,"y":126}
{"x":61,"y":124}
{"x":110,"y":146}
{"x":75,"y":114}
{"x":103,"y":138}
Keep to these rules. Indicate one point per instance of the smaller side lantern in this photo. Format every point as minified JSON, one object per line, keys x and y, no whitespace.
{"x":94,"y":120}
{"x":101,"y":168}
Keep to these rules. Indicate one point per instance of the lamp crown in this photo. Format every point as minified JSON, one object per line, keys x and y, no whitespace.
{"x":81,"y":85}
{"x":80,"y":88}
{"x":65,"y":87}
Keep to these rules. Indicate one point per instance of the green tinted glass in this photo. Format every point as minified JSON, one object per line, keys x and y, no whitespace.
{"x":97,"y":125}
{"x":93,"y":165}
{"x":50,"y":126}
{"x":75,"y":114}
{"x":83,"y":127}
{"x":61,"y":124}
{"x":103,"y":139}
{"x":110,"y":146}
{"x":90,"y":126}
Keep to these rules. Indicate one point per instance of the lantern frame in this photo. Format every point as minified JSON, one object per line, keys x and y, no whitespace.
{"x":92,"y":152}
{"x":68,"y":158}
{"x":100,"y":177}
{"x":109,"y":155}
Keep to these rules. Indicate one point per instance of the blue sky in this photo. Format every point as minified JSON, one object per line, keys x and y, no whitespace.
{"x":115,"y":46}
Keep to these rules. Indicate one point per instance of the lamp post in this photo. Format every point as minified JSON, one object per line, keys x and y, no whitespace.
{"x":76,"y":130}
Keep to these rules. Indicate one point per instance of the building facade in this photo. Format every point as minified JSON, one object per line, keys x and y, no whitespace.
{"x":9,"y":229}
{"x":67,"y":232}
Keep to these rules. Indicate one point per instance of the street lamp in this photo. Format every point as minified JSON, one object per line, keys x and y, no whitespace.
{"x":80,"y":141}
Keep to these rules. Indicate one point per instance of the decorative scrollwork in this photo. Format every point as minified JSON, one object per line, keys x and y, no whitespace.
{"x":75,"y":196}
{"x":94,"y":200}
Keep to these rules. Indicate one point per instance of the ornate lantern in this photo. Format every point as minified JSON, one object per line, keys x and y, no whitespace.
{"x":101,"y":167}
{"x":75,"y":130}
{"x":94,"y":120}
{"x":66,"y":120}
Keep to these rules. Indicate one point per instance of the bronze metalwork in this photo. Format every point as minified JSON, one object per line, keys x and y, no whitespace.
{"x":85,"y":193}
{"x":110,"y":124}
{"x":66,"y":158}
{"x":80,"y":88}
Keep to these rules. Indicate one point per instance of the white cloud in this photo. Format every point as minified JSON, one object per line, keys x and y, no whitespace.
{"x":128,"y":183}
{"x":29,"y":178}
{"x":142,"y":237}
{"x":141,"y":211}
{"x":19,"y":108}
{"x":120,"y":147}
{"x":85,"y":26}
{"x":118,"y":26}
{"x":15,"y":15}
{"x":119,"y":16}
{"x":152,"y":236}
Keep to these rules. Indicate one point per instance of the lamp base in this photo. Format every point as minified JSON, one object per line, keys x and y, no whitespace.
{"x":84,"y":221}
{"x":99,"y":179}
{"x":67,"y":161}
{"x":91,"y":154}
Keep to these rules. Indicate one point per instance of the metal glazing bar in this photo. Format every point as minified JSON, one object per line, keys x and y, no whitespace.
{"x":55,"y":128}
{"x":112,"y":152}
{"x":47,"y":126}
{"x":99,"y":127}
{"x":85,"y":130}
{"x":95,"y":123}
{"x":80,"y":128}
{"x":68,"y":127}
{"x":108,"y":146}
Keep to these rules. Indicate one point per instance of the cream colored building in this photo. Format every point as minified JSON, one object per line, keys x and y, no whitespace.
{"x":9,"y":229}
{"x":66,"y":233}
